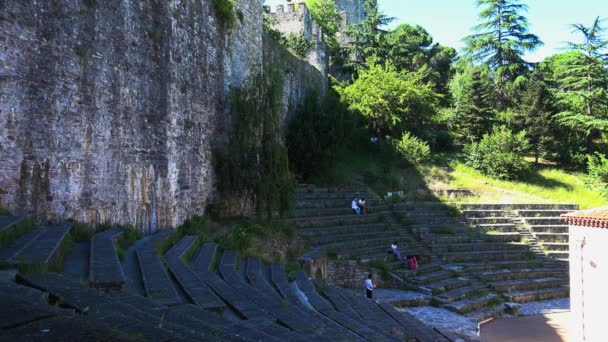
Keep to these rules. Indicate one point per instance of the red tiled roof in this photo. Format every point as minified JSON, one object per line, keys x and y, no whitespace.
{"x":597,"y":218}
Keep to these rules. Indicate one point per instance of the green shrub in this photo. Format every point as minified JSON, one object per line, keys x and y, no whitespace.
{"x":225,"y":10}
{"x":597,"y":168}
{"x":412,"y":149}
{"x":291,"y":268}
{"x":297,"y":44}
{"x":499,"y":155}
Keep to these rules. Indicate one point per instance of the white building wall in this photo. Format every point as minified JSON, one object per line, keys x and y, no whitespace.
{"x":588,"y":284}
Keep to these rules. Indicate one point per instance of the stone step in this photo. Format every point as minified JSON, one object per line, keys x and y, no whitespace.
{"x":462,"y":293}
{"x":527,"y":284}
{"x":500,"y":227}
{"x":420,"y":206}
{"x":332,"y":203}
{"x":196,"y":290}
{"x":555,"y":246}
{"x":360,"y":236}
{"x":551,"y":228}
{"x":346,"y":195}
{"x":487,"y":265}
{"x":486,"y":255}
{"x":432,"y":277}
{"x":6,"y":223}
{"x":335,"y":211}
{"x":502,"y":237}
{"x":450,"y":238}
{"x":337,"y":220}
{"x":426,"y":213}
{"x":527,"y":213}
{"x":485,"y":313}
{"x":544,"y":221}
{"x":436,"y":221}
{"x":477,"y":247}
{"x":471,"y":304}
{"x":105,"y":271}
{"x":157,"y":284}
{"x":517,"y":206}
{"x":552,"y":237}
{"x":558,"y":254}
{"x":343,"y":229}
{"x":378,"y":248}
{"x":443,"y":229}
{"x":361,"y":243}
{"x":14,"y":247}
{"x":423,"y":269}
{"x":46,"y":246}
{"x":483,"y":213}
{"x":379,"y":253}
{"x":524,"y":273}
{"x":442,"y":286}
{"x":537,"y":295}
{"x":489,"y":220}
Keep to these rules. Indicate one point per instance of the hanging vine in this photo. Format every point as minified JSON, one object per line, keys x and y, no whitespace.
{"x":253,"y":165}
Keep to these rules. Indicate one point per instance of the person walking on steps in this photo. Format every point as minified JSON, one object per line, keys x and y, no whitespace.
{"x":369,"y":287}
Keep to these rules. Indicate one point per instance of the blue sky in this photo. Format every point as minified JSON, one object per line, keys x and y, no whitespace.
{"x":448,"y":21}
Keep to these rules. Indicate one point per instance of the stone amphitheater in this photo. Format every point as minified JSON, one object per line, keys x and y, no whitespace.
{"x":478,"y":260}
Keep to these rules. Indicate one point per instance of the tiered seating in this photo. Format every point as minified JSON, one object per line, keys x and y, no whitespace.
{"x":105,"y":270}
{"x":549,"y":229}
{"x":325,"y":218}
{"x":197,"y":291}
{"x":156,"y":281}
{"x":38,"y":248}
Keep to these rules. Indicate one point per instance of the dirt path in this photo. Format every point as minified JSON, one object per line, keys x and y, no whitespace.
{"x":546,"y":328}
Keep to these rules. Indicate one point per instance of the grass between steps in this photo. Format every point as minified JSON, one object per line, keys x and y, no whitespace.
{"x":269,"y":240}
{"x":128,"y":238}
{"x":15,"y":231}
{"x":56,"y":261}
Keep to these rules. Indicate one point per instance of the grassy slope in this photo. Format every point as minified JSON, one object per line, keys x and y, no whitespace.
{"x":547,"y":184}
{"x":379,"y":169}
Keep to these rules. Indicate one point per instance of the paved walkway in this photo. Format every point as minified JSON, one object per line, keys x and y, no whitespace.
{"x":545,"y":307}
{"x":443,"y":318}
{"x":546,"y":328}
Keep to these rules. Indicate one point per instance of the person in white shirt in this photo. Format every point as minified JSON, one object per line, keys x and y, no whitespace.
{"x":369,"y":286}
{"x":355,"y":205}
{"x":396,"y":251}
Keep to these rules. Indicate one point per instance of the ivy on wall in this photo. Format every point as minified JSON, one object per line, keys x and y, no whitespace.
{"x":253,"y":166}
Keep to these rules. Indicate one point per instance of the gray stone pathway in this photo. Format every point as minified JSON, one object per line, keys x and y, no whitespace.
{"x":546,"y":306}
{"x":396,"y":296}
{"x":443,"y":318}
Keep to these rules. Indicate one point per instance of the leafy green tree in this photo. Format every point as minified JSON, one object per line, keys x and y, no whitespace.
{"x":391,"y":99}
{"x":326,"y":14}
{"x":316,"y":133}
{"x":474,"y":101}
{"x":501,"y":40}
{"x":412,"y":149}
{"x":594,"y":43}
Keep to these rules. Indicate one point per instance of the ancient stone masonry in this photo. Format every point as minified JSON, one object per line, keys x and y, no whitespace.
{"x":108,"y":108}
{"x":296,"y":19}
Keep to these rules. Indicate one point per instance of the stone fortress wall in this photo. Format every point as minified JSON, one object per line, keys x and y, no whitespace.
{"x":108,"y":109}
{"x":294,"y":17}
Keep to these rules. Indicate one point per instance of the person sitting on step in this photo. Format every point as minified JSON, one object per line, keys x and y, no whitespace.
{"x":362,"y":205}
{"x":395,"y":251}
{"x":355,"y":205}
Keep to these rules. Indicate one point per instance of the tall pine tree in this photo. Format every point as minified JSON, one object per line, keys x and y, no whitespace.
{"x":500,"y":41}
